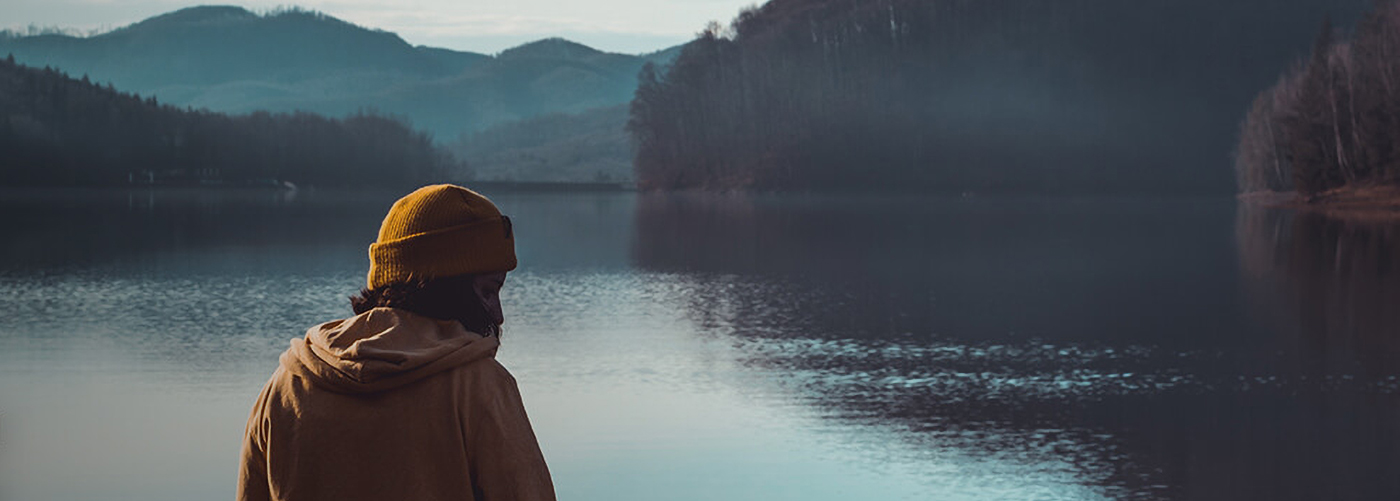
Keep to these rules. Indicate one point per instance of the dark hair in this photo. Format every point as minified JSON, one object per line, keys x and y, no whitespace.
{"x":448,"y":298}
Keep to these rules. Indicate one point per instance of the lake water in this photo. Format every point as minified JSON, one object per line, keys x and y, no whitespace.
{"x":746,"y":347}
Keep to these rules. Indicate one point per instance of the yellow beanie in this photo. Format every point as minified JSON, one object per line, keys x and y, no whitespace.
{"x":441,"y":231}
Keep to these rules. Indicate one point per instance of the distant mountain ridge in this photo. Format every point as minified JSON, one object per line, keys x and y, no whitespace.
{"x":228,"y":59}
{"x":207,"y":45}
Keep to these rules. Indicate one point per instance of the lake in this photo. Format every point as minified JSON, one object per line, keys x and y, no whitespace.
{"x":767,"y":347}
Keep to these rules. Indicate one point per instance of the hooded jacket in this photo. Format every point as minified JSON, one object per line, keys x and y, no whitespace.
{"x":390,"y":405}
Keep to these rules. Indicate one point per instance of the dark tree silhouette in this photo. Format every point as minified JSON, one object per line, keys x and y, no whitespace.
{"x":1332,"y":121}
{"x":56,"y":130}
{"x":953,"y":95}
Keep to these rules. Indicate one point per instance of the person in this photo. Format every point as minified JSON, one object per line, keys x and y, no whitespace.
{"x":404,"y":400}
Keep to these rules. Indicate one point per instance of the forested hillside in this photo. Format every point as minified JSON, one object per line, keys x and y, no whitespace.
{"x":1332,"y":121}
{"x":562,"y":148}
{"x":56,"y":130}
{"x":951,"y":95}
{"x":228,"y":59}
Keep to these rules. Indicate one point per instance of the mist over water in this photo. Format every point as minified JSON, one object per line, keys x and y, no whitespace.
{"x":747,"y":347}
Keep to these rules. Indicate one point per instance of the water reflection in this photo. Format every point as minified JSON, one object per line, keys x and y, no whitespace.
{"x":1106,"y":340}
{"x":1080,"y":270}
{"x":1330,"y":283}
{"x":258,"y":232}
{"x":170,"y":230}
{"x":1329,"y":287}
{"x":773,"y":347}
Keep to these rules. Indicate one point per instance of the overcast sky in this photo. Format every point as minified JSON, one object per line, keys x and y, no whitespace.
{"x":488,"y":26}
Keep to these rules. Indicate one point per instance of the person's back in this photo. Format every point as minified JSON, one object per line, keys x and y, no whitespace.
{"x":405,"y":400}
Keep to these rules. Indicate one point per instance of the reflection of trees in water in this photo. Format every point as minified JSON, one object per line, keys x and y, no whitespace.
{"x":162,"y":227}
{"x":278,"y":231}
{"x":1330,"y":287}
{"x":964,"y":268}
{"x":163,"y":273}
{"x":1140,"y":415}
{"x":1331,"y":283}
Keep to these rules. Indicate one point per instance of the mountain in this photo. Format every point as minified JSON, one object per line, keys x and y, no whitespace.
{"x":204,"y":46}
{"x":228,"y":59}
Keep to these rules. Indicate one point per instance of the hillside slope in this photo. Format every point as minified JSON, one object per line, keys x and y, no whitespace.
{"x":228,"y":59}
{"x":57,"y":130}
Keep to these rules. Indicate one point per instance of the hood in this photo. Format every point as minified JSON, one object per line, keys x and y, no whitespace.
{"x":381,"y":349}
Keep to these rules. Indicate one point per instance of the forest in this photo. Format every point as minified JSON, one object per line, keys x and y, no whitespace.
{"x":1332,"y":121}
{"x":957,"y":96}
{"x":587,"y":147}
{"x":57,"y":130}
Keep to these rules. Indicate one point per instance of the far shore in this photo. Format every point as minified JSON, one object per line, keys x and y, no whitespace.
{"x":1364,"y":202}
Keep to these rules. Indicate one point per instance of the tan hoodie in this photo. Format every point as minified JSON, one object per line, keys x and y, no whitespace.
{"x":389,"y":405}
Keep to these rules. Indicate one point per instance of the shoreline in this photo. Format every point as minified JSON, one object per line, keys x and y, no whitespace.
{"x":1379,"y":203}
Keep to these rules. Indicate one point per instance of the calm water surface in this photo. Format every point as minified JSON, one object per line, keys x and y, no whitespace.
{"x":746,"y":347}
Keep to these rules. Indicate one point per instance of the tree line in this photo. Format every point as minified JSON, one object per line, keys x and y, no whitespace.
{"x":58,"y":130}
{"x":769,"y":103}
{"x":1333,"y":119}
{"x":993,"y":95}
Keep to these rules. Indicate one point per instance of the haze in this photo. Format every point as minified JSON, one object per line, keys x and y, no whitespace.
{"x":628,"y":26}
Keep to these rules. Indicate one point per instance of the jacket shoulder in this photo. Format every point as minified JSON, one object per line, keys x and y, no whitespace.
{"x":485,"y":370}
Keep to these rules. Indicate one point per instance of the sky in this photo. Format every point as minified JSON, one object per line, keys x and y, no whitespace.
{"x":486,"y":26}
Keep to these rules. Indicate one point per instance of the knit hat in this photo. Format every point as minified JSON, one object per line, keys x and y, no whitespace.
{"x":440,"y":231}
